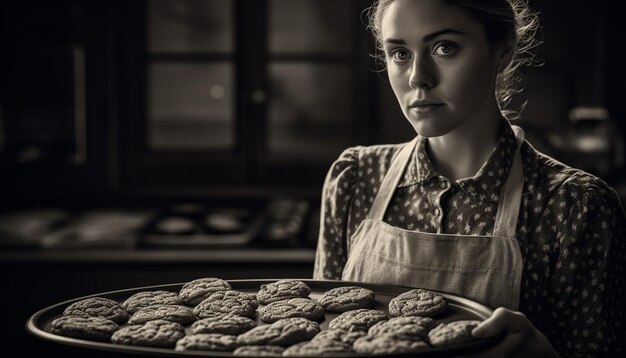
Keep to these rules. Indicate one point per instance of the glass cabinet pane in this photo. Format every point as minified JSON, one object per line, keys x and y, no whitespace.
{"x":310,"y":108}
{"x":191,"y":106}
{"x":311,"y":26}
{"x":190,"y":26}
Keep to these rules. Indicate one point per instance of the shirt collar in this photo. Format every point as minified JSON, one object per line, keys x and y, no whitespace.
{"x":419,"y":168}
{"x":486,"y":184}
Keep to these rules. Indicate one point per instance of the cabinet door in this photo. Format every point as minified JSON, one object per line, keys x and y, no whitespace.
{"x":241,"y":92}
{"x":181,"y":120}
{"x":317,"y":70}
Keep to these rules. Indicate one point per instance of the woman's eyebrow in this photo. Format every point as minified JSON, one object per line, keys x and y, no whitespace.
{"x":433,"y":35}
{"x":428,"y":37}
{"x":395,"y":41}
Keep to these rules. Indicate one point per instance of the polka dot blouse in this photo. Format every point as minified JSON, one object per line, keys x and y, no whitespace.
{"x":570,"y":231}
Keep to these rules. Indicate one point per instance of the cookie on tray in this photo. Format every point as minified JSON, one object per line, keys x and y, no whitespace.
{"x":91,"y":328}
{"x":387,"y":344}
{"x":293,"y":307}
{"x":158,"y":333}
{"x":259,"y":351}
{"x":173,"y":313}
{"x":411,"y":327}
{"x":347,"y":298}
{"x":456,"y":332}
{"x":98,"y":307}
{"x":196,"y":291}
{"x":227,"y":302}
{"x":150,"y":298}
{"x":207,"y":342}
{"x":418,"y":302}
{"x":281,"y":333}
{"x":318,"y":348}
{"x":282,"y":290}
{"x":224,"y":324}
{"x":339,"y":334}
{"x":358,"y":320}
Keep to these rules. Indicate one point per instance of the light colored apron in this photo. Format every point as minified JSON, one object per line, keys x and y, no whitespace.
{"x":486,"y":269}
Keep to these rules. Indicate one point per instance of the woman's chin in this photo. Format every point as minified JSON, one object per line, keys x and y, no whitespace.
{"x":429,"y":127}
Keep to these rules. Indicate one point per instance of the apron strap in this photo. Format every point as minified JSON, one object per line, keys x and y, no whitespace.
{"x":511,"y":193}
{"x":390,"y":182}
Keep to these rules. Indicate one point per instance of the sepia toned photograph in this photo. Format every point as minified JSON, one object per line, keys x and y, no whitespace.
{"x":313,"y":178}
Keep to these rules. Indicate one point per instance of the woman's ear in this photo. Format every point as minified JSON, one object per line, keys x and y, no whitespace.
{"x":505,"y":54}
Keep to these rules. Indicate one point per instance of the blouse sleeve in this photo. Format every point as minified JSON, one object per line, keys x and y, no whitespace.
{"x":587,"y":293}
{"x":337,"y":195}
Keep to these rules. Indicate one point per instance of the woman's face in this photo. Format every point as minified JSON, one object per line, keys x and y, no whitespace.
{"x":440,"y":65}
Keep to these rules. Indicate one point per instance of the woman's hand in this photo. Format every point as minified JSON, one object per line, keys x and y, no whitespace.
{"x":522,"y":338}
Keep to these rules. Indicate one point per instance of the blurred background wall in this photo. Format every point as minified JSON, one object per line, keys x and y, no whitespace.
{"x":198,"y":98}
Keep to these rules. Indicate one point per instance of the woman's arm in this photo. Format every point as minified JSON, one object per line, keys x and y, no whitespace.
{"x":337,"y":195}
{"x":584,"y":306}
{"x":587,"y":293}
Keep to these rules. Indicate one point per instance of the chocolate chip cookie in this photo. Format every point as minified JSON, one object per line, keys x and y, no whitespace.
{"x":418,"y":302}
{"x":173,"y":313}
{"x":347,"y":298}
{"x":207,"y":342}
{"x":259,"y":351}
{"x":318,"y":348}
{"x":457,"y":332}
{"x":359,"y":320}
{"x":158,"y":333}
{"x":224,"y":324}
{"x":150,"y":298}
{"x":387,"y":344}
{"x":196,"y":291}
{"x":97,"y":307}
{"x":339,"y":334}
{"x":281,"y":290}
{"x":91,"y":328}
{"x":281,"y":333}
{"x":411,"y":327}
{"x":233,"y":302}
{"x":293,"y":307}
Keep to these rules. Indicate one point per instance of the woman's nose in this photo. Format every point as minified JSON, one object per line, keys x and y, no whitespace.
{"x":422,"y":73}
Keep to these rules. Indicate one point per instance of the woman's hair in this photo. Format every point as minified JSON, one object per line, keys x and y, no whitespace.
{"x":502,"y":20}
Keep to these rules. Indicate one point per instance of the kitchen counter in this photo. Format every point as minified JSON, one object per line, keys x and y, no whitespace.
{"x":214,"y":256}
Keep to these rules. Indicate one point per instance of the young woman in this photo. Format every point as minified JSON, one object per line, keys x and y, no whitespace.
{"x":468,"y":206}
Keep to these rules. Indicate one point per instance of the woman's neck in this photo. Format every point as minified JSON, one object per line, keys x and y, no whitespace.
{"x":462,"y":152}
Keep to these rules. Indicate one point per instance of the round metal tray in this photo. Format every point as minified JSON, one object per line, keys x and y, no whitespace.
{"x":459,"y":308}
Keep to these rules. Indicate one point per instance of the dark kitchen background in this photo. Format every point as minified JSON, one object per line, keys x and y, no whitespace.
{"x":159,"y":141}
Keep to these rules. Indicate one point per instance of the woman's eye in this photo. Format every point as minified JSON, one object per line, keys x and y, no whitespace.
{"x":400,"y":55}
{"x":444,"y":49}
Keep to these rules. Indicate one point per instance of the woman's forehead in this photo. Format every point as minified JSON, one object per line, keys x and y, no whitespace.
{"x":416,"y":19}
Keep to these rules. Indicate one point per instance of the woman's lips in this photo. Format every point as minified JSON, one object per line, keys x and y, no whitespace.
{"x":425,"y":108}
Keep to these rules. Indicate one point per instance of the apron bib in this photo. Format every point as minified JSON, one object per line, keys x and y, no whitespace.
{"x":486,"y":269}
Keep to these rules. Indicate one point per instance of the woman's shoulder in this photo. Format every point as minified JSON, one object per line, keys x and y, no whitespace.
{"x":377,"y":152}
{"x":554,"y":178}
{"x":372,"y":157}
{"x":367,"y":164}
